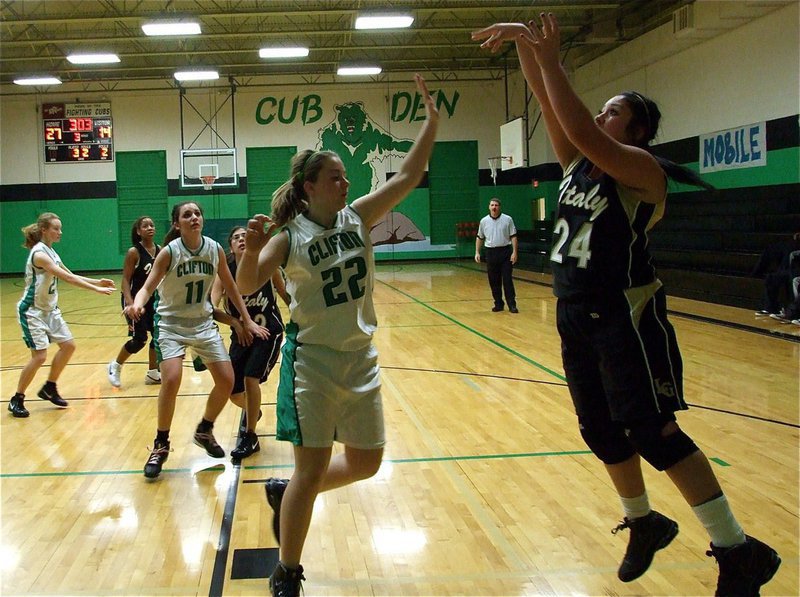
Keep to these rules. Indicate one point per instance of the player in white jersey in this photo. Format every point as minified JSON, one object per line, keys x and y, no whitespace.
{"x":330,"y":381}
{"x":38,"y":312}
{"x":182,"y":276}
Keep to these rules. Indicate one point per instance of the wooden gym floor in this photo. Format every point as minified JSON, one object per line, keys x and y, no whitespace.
{"x":486,"y":486}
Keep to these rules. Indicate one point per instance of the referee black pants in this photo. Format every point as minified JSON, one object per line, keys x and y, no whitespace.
{"x":498,"y":267}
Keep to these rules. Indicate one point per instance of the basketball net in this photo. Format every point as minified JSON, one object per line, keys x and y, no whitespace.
{"x":208,"y":182}
{"x":494,"y":164}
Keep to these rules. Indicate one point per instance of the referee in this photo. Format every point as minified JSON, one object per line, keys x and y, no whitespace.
{"x":498,"y":232}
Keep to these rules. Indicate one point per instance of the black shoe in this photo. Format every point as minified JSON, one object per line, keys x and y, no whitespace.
{"x":198,"y":364}
{"x":286,"y":582}
{"x":52,"y":396}
{"x":209,"y":444}
{"x":513,"y":309}
{"x":158,"y":456}
{"x":744,"y":568}
{"x":16,"y":406}
{"x":497,"y":308}
{"x":243,"y":424}
{"x":275,"y":489}
{"x":648,"y":534}
{"x":247,"y":446}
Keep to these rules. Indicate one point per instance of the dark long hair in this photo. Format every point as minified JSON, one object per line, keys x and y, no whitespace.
{"x":135,"y":236}
{"x":290,"y":198}
{"x":646,"y":116}
{"x":230,"y":257}
{"x":173,"y":232}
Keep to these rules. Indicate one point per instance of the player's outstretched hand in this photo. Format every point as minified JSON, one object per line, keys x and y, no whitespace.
{"x":259,"y":231}
{"x":495,"y":35}
{"x":107,"y":283}
{"x":545,"y":40}
{"x":430,"y":105}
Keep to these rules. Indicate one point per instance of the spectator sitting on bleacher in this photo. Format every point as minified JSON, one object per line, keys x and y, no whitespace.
{"x":779,"y":268}
{"x":791,"y":312}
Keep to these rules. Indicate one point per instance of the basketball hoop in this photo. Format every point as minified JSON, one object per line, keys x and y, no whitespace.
{"x":208,"y":182}
{"x":495,"y":163}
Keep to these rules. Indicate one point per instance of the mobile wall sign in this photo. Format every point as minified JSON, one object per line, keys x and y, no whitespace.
{"x":740,"y":147}
{"x":77,"y":133}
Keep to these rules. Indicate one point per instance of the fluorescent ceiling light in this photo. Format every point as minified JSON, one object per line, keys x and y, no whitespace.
{"x":358,"y":70}
{"x":196,"y":75}
{"x":282,"y":52}
{"x":92,"y":58}
{"x":386,"y":21}
{"x":171,"y":28}
{"x":38,"y":81}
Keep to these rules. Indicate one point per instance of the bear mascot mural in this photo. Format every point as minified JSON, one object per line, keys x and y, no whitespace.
{"x":359,"y":141}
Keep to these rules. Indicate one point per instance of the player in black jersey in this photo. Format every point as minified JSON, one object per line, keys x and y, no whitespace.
{"x":252,"y":363}
{"x":620,"y":354}
{"x":138,"y":262}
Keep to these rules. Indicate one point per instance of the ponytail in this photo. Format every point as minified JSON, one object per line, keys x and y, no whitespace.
{"x":645,"y":118}
{"x":33,"y":232}
{"x":290,"y":199}
{"x":682,"y":174}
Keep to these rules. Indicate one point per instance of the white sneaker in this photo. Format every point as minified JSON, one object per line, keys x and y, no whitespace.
{"x":113,"y":371}
{"x":153,"y":377}
{"x":796,"y":321}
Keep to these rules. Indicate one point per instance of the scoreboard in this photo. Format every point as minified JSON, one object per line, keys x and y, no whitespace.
{"x":77,"y":133}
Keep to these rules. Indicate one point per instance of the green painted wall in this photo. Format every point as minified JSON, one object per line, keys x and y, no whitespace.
{"x":92,"y":232}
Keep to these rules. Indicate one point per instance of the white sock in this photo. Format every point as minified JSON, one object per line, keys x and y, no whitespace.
{"x":635,"y":507}
{"x":720,"y":522}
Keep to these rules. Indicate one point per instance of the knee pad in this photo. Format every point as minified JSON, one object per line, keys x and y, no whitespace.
{"x":134,"y":345}
{"x":661,"y":451}
{"x":607,"y":442}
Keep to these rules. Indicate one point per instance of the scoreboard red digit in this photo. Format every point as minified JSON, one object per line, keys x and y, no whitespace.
{"x":77,"y":133}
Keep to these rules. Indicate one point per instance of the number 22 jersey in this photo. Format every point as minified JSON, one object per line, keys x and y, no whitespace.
{"x":330,"y":277}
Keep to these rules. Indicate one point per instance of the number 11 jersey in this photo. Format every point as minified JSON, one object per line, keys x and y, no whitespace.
{"x":184,"y":290}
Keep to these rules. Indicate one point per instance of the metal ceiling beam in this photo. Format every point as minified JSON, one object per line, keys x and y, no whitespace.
{"x":239,"y":35}
{"x":455,"y":8}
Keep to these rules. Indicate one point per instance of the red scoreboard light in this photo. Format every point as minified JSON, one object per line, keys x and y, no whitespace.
{"x":77,"y":133}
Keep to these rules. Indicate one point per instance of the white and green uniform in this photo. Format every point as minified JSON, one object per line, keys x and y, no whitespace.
{"x":183,"y":310}
{"x":38,"y":312}
{"x":330,"y":380}
{"x":330,"y":277}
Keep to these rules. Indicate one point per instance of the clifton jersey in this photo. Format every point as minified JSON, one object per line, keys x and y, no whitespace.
{"x":600,"y":236}
{"x":41,"y":287}
{"x":142,"y":270}
{"x":330,"y":276}
{"x":183,"y":292}
{"x":261,"y":305}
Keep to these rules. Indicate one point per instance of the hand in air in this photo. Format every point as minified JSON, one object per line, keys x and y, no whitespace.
{"x":104,"y":289}
{"x":430,"y":105}
{"x":259,"y":231}
{"x":545,"y":40}
{"x":107,"y":283}
{"x":495,"y":35}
